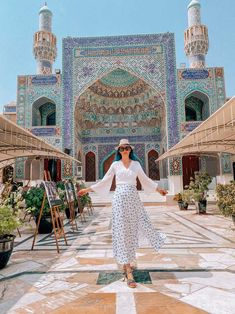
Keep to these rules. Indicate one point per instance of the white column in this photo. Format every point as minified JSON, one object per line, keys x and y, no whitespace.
{"x":175,"y":184}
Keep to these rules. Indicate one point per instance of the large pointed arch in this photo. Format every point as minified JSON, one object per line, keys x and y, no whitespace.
{"x":78,"y":114}
{"x":112,"y":67}
{"x":119,"y":104}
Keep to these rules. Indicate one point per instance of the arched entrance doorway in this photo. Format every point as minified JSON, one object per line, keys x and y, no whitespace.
{"x":153,"y":166}
{"x":90,"y":167}
{"x":190,"y":165}
{"x":119,"y":105}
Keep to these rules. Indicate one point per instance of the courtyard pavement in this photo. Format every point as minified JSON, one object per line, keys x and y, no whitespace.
{"x":193,"y":273}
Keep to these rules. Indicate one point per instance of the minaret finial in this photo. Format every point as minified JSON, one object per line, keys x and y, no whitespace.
{"x":196,"y":42}
{"x":45,"y":42}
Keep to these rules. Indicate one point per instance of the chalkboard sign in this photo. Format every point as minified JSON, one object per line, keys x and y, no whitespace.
{"x":52,"y":193}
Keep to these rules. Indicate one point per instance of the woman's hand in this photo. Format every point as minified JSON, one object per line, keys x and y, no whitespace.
{"x":82,"y":192}
{"x":162,"y":191}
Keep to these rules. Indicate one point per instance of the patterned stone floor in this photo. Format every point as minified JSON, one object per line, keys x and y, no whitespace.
{"x":193,"y":273}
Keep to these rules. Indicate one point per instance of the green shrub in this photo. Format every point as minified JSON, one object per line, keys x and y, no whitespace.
{"x":33,"y":201}
{"x":9,"y":221}
{"x":226,"y":198}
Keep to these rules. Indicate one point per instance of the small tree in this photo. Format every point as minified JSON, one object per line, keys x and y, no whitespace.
{"x":9,"y":221}
{"x":199,"y":185}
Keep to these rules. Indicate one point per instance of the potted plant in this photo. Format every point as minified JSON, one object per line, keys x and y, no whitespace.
{"x":226,"y":199}
{"x":82,"y":200}
{"x":9,"y":221}
{"x":178,"y":198}
{"x":187,"y":196}
{"x":33,"y":202}
{"x":199,"y":187}
{"x":62,"y":194}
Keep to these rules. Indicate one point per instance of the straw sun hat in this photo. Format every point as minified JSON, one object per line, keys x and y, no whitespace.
{"x":123,"y":142}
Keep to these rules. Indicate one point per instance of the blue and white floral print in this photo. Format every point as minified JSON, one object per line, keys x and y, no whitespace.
{"x":129,"y":220}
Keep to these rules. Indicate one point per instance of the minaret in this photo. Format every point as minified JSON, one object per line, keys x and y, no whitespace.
{"x":44,"y":47}
{"x":196,"y":40}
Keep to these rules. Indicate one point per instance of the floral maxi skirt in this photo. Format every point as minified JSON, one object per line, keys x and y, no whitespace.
{"x":130,"y":221}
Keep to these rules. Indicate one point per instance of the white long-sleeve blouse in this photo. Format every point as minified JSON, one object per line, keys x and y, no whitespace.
{"x":124,"y":176}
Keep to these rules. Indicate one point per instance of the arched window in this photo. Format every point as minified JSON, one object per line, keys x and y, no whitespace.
{"x":43,"y":112}
{"x":196,"y":107}
{"x":90,"y":167}
{"x":153,"y":166}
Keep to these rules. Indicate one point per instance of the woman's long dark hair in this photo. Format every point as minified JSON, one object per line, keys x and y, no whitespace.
{"x":132,"y":156}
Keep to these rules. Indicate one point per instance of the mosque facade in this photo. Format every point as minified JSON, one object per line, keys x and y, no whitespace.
{"x":120,"y":87}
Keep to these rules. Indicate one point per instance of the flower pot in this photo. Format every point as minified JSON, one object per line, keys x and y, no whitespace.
{"x":6,"y":247}
{"x":182,"y":205}
{"x":185,"y":206}
{"x":45,"y":225}
{"x":67,"y":213}
{"x":202,"y":206}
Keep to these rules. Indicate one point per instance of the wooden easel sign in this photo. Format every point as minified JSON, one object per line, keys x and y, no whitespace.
{"x":52,"y":193}
{"x":70,"y":196}
{"x":69,"y":191}
{"x":54,"y":201}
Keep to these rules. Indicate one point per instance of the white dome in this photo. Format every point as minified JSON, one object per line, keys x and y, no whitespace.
{"x":194,"y":3}
{"x":45,"y":9}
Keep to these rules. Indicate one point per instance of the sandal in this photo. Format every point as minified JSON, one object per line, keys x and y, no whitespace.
{"x":130,"y":281}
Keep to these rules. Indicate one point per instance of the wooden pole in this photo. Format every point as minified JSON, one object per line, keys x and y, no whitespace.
{"x":39,"y":219}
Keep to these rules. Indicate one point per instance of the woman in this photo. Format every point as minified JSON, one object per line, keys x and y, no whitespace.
{"x":129,"y":217}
